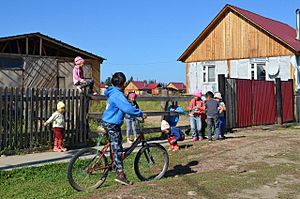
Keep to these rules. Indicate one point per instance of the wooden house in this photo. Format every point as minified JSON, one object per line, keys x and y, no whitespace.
{"x":39,"y":61}
{"x":155,"y":88}
{"x":103,"y":88}
{"x":138,"y":87}
{"x":244,"y":45}
{"x":176,"y":87}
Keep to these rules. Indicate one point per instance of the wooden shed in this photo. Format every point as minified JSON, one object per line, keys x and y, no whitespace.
{"x":177,"y":87}
{"x":243,"y":45}
{"x":39,"y":61}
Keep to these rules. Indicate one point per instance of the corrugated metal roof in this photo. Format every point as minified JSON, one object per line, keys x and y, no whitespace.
{"x":178,"y":85}
{"x":46,"y":37}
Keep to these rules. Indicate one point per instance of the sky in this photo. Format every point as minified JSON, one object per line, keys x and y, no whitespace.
{"x":142,"y":38}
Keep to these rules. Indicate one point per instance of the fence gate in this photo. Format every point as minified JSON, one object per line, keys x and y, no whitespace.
{"x":253,"y":102}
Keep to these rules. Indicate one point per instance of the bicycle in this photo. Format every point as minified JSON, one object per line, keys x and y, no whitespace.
{"x":89,"y":168}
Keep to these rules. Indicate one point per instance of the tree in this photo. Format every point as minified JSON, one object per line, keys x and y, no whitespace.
{"x":108,"y":81}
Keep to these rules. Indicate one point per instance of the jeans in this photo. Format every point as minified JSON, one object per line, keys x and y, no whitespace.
{"x":213,"y":122}
{"x":203,"y":127}
{"x":88,"y":83}
{"x":132,"y":121}
{"x":195,"y":123}
{"x":115,"y":139}
{"x":221,"y":126}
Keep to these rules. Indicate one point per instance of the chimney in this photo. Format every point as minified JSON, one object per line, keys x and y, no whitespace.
{"x":298,"y":24}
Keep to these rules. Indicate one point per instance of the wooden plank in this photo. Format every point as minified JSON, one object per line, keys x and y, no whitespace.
{"x":1,"y":120}
{"x":5,"y":117}
{"x":68,"y":106}
{"x":50,"y":113}
{"x":16,"y":120}
{"x":21,"y":139}
{"x":152,"y":98}
{"x":41,"y":45}
{"x":73,"y":127}
{"x":36,"y":113}
{"x":27,"y":49}
{"x":278,"y":100}
{"x":11,"y":117}
{"x":81,"y":116}
{"x":32,"y":92}
{"x":77,"y":131}
{"x":26,"y":121}
{"x":41,"y":113}
{"x":46,"y":115}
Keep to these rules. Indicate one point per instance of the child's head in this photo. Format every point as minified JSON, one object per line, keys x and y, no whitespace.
{"x":60,"y":107}
{"x":197,"y":94}
{"x":132,"y":97}
{"x":165,"y":127}
{"x":209,"y":95}
{"x":218,"y":96}
{"x":79,"y":61}
{"x":119,"y":80}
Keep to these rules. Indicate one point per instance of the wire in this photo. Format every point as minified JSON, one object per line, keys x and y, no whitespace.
{"x":151,"y":63}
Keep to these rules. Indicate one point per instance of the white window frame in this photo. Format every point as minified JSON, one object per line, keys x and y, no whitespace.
{"x":253,"y":70}
{"x":205,"y":73}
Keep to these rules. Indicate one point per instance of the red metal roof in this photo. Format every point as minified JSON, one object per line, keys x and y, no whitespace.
{"x":278,"y":29}
{"x":153,"y":85}
{"x":140,"y":85}
{"x":178,"y":85}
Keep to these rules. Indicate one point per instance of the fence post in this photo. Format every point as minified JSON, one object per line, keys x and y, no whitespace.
{"x":222,"y":85}
{"x":278,"y":100}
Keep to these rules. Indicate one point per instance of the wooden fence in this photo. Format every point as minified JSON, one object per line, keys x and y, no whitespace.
{"x":23,"y":112}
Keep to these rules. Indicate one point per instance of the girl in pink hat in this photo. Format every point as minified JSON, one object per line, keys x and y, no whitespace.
{"x":78,"y":76}
{"x":196,"y":109}
{"x":130,"y":120}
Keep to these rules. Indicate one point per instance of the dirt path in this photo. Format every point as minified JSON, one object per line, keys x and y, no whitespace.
{"x":266,"y":162}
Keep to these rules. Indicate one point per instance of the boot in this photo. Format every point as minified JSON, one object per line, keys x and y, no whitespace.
{"x":56,"y":148}
{"x":121,"y":178}
{"x":60,"y":146}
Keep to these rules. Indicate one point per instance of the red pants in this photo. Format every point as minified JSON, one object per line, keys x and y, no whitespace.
{"x":175,"y":143}
{"x":58,"y":137}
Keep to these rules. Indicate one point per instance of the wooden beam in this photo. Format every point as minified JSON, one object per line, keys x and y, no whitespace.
{"x":44,"y":51}
{"x":34,"y":46}
{"x":187,"y":77}
{"x":4,"y":47}
{"x":41,"y":45}
{"x":18,"y":46}
{"x":228,"y":65}
{"x":26,"y":45}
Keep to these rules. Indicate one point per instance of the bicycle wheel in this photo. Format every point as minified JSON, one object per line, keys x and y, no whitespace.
{"x":86,"y":170}
{"x":151,"y":162}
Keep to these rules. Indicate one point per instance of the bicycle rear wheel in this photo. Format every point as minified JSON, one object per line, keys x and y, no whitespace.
{"x":86,"y":170}
{"x":151,"y":162}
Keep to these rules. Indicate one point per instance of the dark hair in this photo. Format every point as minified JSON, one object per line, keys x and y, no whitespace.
{"x":118,"y":79}
{"x":209,"y":94}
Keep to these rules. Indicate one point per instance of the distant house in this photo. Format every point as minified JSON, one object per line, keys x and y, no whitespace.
{"x":102,"y":87}
{"x":138,"y":87}
{"x":155,"y":88}
{"x":177,"y":87}
{"x":39,"y":61}
{"x":244,"y":45}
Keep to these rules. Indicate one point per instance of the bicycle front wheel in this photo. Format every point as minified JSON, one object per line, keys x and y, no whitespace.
{"x":151,"y":162}
{"x":87,"y":169}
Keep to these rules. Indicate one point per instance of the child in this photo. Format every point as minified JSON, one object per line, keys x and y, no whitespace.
{"x":78,"y":76}
{"x":131,"y":118}
{"x":222,"y":109}
{"x":196,"y":108}
{"x":112,"y":120}
{"x":58,"y":126}
{"x":174,"y":108}
{"x":203,"y":120}
{"x":212,"y":112}
{"x":174,"y":134}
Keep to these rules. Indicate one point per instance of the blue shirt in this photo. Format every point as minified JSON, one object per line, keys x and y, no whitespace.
{"x":174,"y":131}
{"x":173,"y":119}
{"x":118,"y":106}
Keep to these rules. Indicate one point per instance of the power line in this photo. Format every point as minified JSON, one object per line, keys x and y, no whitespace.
{"x":139,"y":64}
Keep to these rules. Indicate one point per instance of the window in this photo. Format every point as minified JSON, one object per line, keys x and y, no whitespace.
{"x":209,"y":74}
{"x":257,"y":71}
{"x":11,"y":62}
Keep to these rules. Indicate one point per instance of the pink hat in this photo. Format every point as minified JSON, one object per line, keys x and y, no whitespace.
{"x":132,"y":95}
{"x":78,"y":60}
{"x":197,"y":93}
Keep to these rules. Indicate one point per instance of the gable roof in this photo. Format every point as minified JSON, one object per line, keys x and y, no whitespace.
{"x":140,"y":85}
{"x":54,"y":41}
{"x":178,"y":85}
{"x":281,"y":31}
{"x":153,"y":85}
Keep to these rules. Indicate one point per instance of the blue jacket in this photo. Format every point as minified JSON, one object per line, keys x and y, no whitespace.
{"x":173,"y":119}
{"x":118,"y":106}
{"x":174,"y":131}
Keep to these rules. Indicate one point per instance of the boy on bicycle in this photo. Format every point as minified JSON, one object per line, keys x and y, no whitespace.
{"x":112,"y":120}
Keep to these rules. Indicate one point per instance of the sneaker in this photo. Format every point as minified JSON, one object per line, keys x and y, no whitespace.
{"x":121,"y":178}
{"x":209,"y":140}
{"x":56,"y":149}
{"x":170,"y":148}
{"x":200,"y":138}
{"x":129,"y":141}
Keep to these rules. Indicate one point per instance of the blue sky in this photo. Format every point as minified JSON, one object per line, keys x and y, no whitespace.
{"x":141,"y":38}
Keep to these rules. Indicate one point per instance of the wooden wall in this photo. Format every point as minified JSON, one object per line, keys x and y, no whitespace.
{"x":131,"y":88}
{"x":235,"y":38}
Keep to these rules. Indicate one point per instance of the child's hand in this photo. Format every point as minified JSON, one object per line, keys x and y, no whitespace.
{"x":144,"y":116}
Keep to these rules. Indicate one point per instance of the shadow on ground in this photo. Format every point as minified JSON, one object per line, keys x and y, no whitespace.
{"x":182,"y":169}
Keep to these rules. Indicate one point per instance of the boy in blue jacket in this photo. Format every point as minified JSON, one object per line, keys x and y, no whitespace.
{"x":173,"y":119}
{"x":112,"y":120}
{"x":174,"y":133}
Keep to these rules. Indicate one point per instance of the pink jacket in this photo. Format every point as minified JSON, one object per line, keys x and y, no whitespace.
{"x":77,"y":75}
{"x":197,"y":110}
